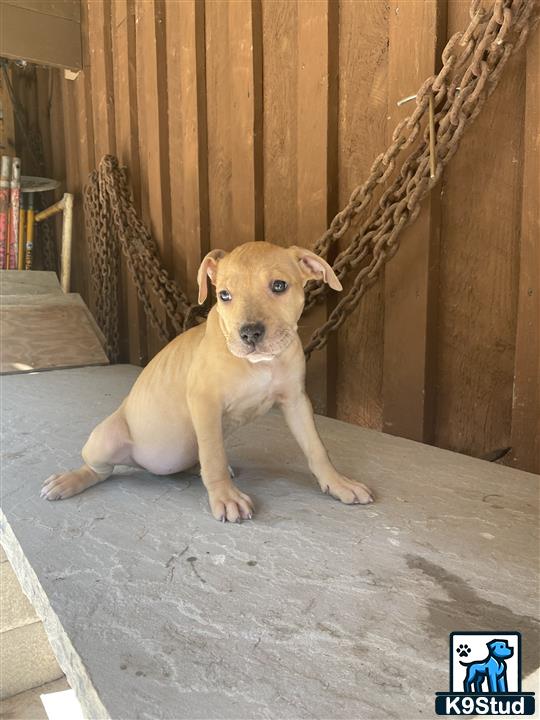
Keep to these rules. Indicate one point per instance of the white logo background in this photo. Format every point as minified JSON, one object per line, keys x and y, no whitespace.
{"x":480,"y":651}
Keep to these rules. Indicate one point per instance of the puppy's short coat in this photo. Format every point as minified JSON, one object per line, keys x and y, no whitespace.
{"x":215,"y":377}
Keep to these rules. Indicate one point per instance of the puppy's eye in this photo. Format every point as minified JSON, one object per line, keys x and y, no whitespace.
{"x":278,"y":286}
{"x":225,"y":295}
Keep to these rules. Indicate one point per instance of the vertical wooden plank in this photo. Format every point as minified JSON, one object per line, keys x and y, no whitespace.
{"x":132,"y":319}
{"x":479,"y":263}
{"x":57,"y":131}
{"x":316,"y":144}
{"x":280,"y":54}
{"x":245,"y":70}
{"x":525,"y":432}
{"x":51,"y":127}
{"x":154,"y":133}
{"x":101,"y":76}
{"x":363,"y":77}
{"x":258,"y":118}
{"x":411,"y":279}
{"x":76,"y":173}
{"x":79,"y":147}
{"x":300,"y":139}
{"x":234,"y":85}
{"x":188,"y":140}
{"x":42,"y":118}
{"x":72,"y":169}
{"x":84,"y":104}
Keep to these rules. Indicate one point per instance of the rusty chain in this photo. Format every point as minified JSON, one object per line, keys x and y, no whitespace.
{"x":112,"y":226}
{"x":472,"y":64}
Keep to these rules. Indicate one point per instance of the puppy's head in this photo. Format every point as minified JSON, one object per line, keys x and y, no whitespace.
{"x":260,"y":294}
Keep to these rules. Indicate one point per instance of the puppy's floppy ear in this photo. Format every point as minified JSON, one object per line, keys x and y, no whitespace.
{"x":314,"y":267}
{"x":208,"y":268}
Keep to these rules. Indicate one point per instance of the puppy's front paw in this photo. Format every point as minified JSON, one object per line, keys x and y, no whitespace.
{"x":229,"y":504}
{"x":348,"y":491}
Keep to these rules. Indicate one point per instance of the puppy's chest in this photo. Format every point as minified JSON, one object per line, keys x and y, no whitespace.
{"x":252,"y":399}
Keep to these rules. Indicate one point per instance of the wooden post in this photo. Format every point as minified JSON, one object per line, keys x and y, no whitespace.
{"x":101,"y":76}
{"x":317,"y":159}
{"x":479,"y":277}
{"x":79,"y":147}
{"x":132,"y":318}
{"x":234,"y":87}
{"x":188,"y":158}
{"x":154,"y":134}
{"x":525,"y":431}
{"x":411,"y":278}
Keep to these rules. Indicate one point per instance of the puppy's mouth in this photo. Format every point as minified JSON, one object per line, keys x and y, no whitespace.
{"x":263,"y":351}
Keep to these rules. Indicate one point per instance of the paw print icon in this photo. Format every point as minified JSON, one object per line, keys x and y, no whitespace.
{"x":463,"y":650}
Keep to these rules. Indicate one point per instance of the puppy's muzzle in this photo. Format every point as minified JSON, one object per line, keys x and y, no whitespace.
{"x":252,"y":333}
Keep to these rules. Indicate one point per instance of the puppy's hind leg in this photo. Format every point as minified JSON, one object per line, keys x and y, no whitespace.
{"x":109,"y":444}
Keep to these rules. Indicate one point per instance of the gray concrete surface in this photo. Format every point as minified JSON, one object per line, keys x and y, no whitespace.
{"x":312,"y":610}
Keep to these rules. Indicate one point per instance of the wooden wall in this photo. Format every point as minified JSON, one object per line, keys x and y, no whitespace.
{"x":255,"y":119}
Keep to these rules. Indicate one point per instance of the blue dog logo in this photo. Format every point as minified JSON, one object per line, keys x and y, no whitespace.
{"x":488,"y":686}
{"x":493,"y":669}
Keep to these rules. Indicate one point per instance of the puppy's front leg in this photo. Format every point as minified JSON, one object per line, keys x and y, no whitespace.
{"x":226,"y":500}
{"x":299,"y":416}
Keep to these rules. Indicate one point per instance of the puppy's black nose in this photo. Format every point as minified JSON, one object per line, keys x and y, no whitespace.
{"x":252,"y":333}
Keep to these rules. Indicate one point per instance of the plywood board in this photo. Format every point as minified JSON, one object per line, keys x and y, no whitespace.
{"x":35,"y":282}
{"x":47,"y":332}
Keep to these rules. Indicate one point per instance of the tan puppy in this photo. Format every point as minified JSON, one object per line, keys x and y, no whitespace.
{"x":216,"y":377}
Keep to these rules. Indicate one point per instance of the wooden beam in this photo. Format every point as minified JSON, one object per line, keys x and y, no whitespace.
{"x":416,"y":28}
{"x":234,"y":86}
{"x":188,"y":157}
{"x":154,"y":134}
{"x":79,"y":146}
{"x":479,"y":269}
{"x":316,"y":157}
{"x":280,"y":32}
{"x":525,"y":431}
{"x":101,"y":76}
{"x":132,"y":318}
{"x":363,"y":78}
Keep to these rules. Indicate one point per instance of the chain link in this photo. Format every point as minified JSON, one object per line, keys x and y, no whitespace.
{"x":472,"y":64}
{"x":113,"y":226}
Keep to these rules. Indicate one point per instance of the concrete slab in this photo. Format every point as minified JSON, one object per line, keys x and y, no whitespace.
{"x":27,"y":705}
{"x":313,"y":610}
{"x":26,"y":660}
{"x":15,"y":610}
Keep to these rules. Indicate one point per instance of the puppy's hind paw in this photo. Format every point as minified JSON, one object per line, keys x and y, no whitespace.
{"x":60,"y":487}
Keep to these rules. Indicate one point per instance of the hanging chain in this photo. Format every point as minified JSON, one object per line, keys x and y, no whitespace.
{"x":472,"y":64}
